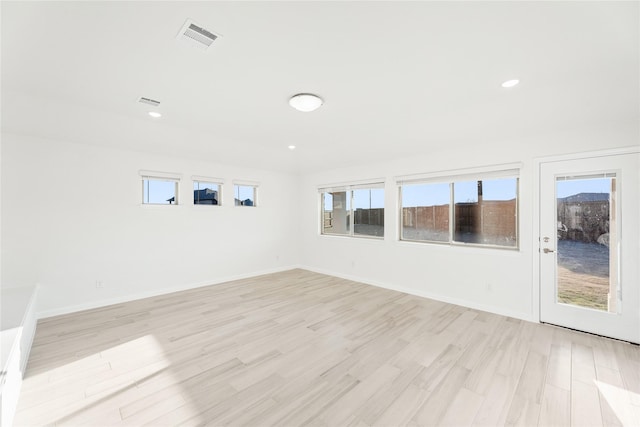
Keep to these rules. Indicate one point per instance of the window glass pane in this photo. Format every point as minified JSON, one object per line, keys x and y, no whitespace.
{"x":485,"y":211}
{"x":368,"y":205}
{"x":245,"y":195}
{"x":336,"y":208}
{"x":160,"y":192}
{"x":206,"y":193}
{"x":587,"y":242}
{"x":425,"y":212}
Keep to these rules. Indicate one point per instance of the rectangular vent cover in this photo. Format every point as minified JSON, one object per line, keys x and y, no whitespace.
{"x":149,"y":101}
{"x":196,"y":36}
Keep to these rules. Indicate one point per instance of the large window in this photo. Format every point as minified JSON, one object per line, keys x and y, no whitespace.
{"x":468,"y":210}
{"x":353,"y":211}
{"x":159,"y":188}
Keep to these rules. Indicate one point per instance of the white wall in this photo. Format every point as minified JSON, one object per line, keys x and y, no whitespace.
{"x":501,"y":281}
{"x":72,"y":215}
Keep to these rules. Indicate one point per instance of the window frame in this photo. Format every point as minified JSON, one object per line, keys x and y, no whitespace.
{"x":161,"y":176}
{"x":450,"y":179}
{"x":349,"y":189}
{"x":208,"y":180}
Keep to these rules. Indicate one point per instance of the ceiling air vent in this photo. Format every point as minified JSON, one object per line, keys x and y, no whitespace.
{"x":196,"y":36}
{"x":149,"y":101}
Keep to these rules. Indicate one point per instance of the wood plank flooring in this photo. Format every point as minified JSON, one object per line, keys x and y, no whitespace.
{"x":299,"y":348}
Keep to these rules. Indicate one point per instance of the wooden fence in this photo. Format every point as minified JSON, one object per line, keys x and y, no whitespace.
{"x":489,"y":218}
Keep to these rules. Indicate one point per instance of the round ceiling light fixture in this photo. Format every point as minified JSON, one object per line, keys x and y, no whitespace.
{"x":155,"y":114}
{"x":510,"y":83}
{"x":306,"y":102}
{"x":292,"y":147}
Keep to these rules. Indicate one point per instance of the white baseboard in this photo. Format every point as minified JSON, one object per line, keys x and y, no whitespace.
{"x":423,"y":294}
{"x":153,"y":293}
{"x":164,"y":291}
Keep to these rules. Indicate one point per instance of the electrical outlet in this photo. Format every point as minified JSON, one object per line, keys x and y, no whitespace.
{"x":99,"y":284}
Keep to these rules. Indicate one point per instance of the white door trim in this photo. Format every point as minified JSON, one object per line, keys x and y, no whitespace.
{"x":535,"y":243}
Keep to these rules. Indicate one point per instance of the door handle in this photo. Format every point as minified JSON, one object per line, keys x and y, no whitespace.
{"x":547,"y":250}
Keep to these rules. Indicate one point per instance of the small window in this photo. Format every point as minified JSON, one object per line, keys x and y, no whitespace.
{"x":245,"y":195}
{"x":159,"y":191}
{"x":206,"y":193}
{"x":353,"y":211}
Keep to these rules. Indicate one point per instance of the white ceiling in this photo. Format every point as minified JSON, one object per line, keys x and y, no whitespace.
{"x":398,"y":78}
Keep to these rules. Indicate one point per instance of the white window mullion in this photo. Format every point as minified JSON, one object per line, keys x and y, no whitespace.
{"x":452,"y":213}
{"x":352,"y":214}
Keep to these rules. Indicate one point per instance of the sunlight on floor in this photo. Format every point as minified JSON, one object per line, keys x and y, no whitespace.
{"x":619,"y":400}
{"x":123,"y":382}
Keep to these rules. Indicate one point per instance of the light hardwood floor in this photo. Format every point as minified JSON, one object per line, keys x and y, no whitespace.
{"x":299,"y":348}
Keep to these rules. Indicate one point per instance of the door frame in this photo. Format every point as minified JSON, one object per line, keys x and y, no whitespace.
{"x":537,"y":233}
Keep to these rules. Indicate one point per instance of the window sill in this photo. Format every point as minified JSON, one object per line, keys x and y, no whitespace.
{"x":352,"y":236}
{"x":159,"y":206}
{"x":463,"y":246}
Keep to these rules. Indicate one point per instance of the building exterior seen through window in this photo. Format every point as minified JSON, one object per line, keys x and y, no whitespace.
{"x":245,"y":195}
{"x":206,"y":193}
{"x":353,"y":212}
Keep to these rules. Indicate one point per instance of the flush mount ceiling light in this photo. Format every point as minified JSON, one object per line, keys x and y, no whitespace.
{"x":155,"y":114}
{"x":305,"y":102}
{"x":292,"y":147}
{"x":510,"y":83}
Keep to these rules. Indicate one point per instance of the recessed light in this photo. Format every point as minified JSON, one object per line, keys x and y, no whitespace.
{"x":305,"y":102}
{"x":155,"y":114}
{"x":292,"y":147}
{"x":510,"y":83}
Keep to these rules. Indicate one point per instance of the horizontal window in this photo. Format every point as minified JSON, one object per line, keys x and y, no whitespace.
{"x":353,"y":211}
{"x":206,"y":193}
{"x":462,"y":211}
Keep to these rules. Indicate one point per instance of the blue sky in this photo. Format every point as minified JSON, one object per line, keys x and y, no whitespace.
{"x":412,"y":195}
{"x":243,"y":192}
{"x":576,"y":186}
{"x":464,"y":191}
{"x":156,"y":191}
{"x":362,"y":198}
{"x":434,"y":194}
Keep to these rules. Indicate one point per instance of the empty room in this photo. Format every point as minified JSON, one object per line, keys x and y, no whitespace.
{"x":320,"y":213}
